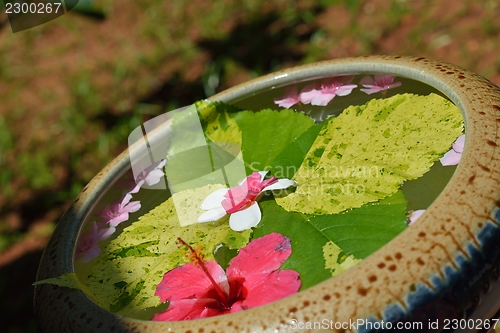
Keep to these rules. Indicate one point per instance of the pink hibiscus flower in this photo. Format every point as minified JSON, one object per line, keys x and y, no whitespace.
{"x":290,"y":98}
{"x":321,"y":94}
{"x":453,"y":156}
{"x":119,"y":211}
{"x":87,"y":248}
{"x":381,"y":82}
{"x":202,"y":289}
{"x":241,"y":201}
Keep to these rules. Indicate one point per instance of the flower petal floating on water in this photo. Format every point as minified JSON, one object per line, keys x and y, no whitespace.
{"x":151,"y":176}
{"x":453,"y":156}
{"x":321,"y":94}
{"x":240,"y":201}
{"x":87,"y":248}
{"x":290,"y":98}
{"x":415,"y":215}
{"x":381,"y":82}
{"x":202,"y":289}
{"x":118,"y":212}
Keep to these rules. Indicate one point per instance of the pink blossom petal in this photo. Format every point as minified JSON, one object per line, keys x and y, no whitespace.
{"x":136,"y":187}
{"x":154,"y":177}
{"x":371,"y":90}
{"x":190,"y":281}
{"x":345,"y":89}
{"x":87,"y":248}
{"x":132,"y":207}
{"x":415,"y":215}
{"x":289,"y":98}
{"x":450,"y":158}
{"x":458,"y":145}
{"x":262,"y":255}
{"x":266,"y":288}
{"x":92,"y":252}
{"x":246,"y":218}
{"x":367,"y":81}
{"x":382,"y":82}
{"x":322,"y":99}
{"x":308,"y":93}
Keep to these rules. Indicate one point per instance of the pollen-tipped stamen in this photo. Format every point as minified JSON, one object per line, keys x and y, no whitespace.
{"x":199,"y":261}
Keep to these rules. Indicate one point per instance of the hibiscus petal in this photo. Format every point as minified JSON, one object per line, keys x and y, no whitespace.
{"x":187,"y":309}
{"x":137,"y":187}
{"x":126,"y":199}
{"x":289,"y":98}
{"x":372,"y":90}
{"x":266,"y":288}
{"x":458,"y":145}
{"x":308,"y":93}
{"x":122,"y":217}
{"x":245,"y":218}
{"x":322,"y":99}
{"x":345,"y":90}
{"x":154,"y":177}
{"x":214,"y":199}
{"x":93,"y":252}
{"x":450,"y":158}
{"x":262,"y":255}
{"x":132,"y":207}
{"x":281,"y":184}
{"x":367,"y":81}
{"x":190,"y":281}
{"x":212,"y":215}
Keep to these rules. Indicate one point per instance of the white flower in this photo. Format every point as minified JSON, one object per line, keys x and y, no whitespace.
{"x":240,"y":201}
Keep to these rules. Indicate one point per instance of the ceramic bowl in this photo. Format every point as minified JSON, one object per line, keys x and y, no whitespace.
{"x":445,"y":268}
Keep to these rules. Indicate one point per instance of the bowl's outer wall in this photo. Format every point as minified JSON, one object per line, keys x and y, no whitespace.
{"x":440,"y":268}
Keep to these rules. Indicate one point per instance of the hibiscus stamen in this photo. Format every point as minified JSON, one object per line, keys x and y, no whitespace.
{"x":198,"y":259}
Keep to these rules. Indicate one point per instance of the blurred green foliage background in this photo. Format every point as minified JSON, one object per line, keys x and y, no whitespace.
{"x":72,"y":90}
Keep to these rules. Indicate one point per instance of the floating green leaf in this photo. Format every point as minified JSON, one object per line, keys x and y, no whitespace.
{"x":286,"y":164}
{"x":362,"y":231}
{"x":368,"y":151}
{"x":268,"y":133}
{"x":357,"y":233}
{"x":131,"y":266}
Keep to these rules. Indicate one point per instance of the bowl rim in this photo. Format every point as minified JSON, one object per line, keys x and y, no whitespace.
{"x":441,"y":239}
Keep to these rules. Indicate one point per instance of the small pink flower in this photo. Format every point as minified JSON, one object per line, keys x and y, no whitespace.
{"x":380,"y":83}
{"x":87,"y":248}
{"x":453,"y":156}
{"x":202,"y":289}
{"x":241,"y":201}
{"x":118,"y":212}
{"x":290,"y":98}
{"x":415,"y":215}
{"x":322,"y":93}
{"x":151,"y":176}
